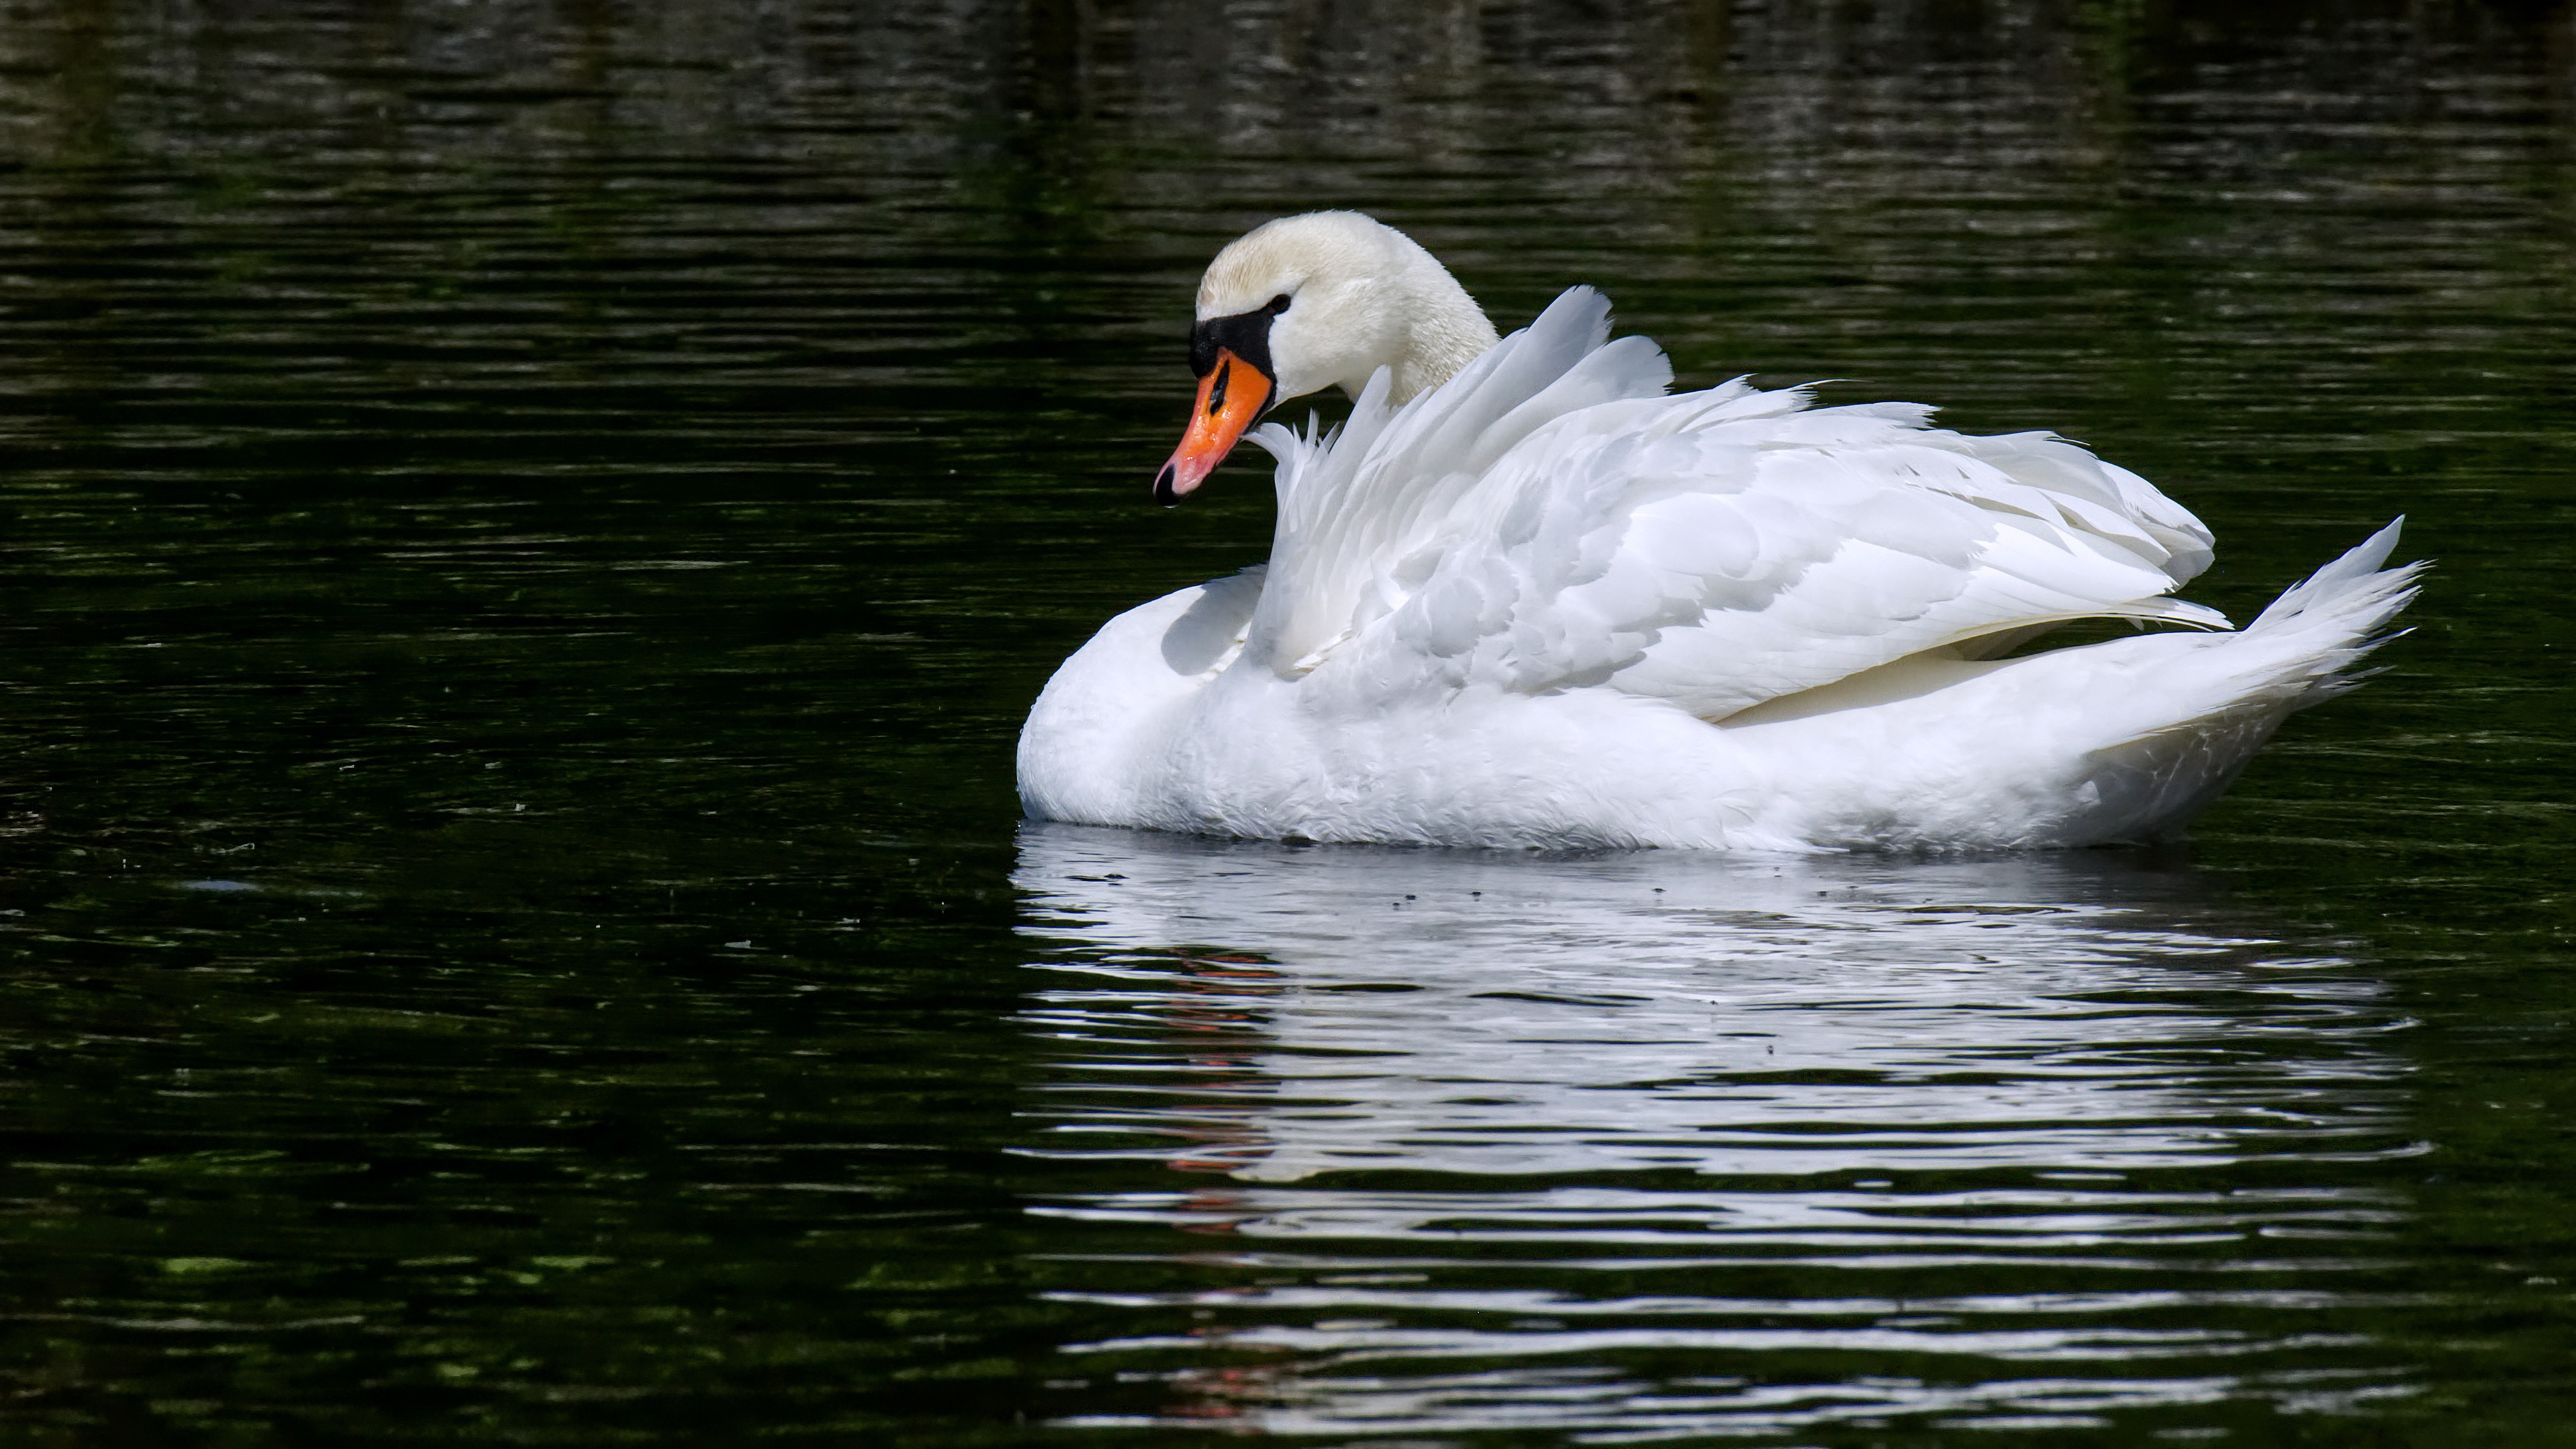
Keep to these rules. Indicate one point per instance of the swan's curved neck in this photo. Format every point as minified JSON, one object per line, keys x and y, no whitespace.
{"x":1444,"y":330}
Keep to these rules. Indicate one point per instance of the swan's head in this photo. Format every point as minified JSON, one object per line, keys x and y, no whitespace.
{"x":1306,"y":302}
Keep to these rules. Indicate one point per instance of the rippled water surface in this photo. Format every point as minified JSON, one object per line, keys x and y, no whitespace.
{"x":529,"y":530}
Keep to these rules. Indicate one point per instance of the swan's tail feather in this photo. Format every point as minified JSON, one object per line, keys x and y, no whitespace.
{"x":2331,"y":581}
{"x":2219,"y":697}
{"x":2342,"y":612}
{"x":2298,"y":652}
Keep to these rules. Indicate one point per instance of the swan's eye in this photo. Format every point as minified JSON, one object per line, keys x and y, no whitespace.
{"x":1277,"y":305}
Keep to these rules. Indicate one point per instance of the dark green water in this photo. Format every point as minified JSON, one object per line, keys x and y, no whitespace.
{"x":529,"y":531}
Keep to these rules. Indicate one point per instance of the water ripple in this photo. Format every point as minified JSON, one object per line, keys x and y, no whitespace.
{"x":1813,"y":1113}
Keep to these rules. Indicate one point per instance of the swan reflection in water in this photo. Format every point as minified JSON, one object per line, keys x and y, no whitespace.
{"x":1665,"y":1143}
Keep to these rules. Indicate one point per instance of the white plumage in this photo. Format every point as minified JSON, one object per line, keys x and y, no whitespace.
{"x":1544,"y":603}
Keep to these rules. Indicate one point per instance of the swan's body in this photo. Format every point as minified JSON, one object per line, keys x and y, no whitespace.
{"x":1544,"y":603}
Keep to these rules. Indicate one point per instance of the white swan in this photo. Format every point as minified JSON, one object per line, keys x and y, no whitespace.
{"x":1526,"y":598}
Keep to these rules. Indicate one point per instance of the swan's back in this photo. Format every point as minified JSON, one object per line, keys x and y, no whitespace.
{"x":1550,"y":519}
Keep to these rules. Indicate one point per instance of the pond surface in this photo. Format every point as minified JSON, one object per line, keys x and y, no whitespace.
{"x":529,"y":531}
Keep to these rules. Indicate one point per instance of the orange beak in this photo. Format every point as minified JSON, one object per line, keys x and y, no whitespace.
{"x":1230,"y":397}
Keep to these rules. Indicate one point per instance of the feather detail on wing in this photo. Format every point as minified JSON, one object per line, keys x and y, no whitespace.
{"x":1549,"y":519}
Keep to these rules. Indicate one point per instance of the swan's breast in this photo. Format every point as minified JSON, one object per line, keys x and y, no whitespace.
{"x":1116,"y":710}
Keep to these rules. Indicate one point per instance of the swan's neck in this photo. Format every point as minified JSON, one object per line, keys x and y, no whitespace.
{"x":1442,"y":329}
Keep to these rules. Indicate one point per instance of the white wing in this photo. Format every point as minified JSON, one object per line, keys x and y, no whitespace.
{"x":1549,"y":519}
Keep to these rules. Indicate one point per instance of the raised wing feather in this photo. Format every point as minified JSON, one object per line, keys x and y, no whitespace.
{"x":1550,"y":520}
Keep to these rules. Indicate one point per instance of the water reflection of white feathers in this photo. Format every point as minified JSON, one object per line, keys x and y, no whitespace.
{"x":1375,"y":1062}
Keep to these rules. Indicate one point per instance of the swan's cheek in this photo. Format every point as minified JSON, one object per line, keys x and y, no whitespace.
{"x":1309,"y":351}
